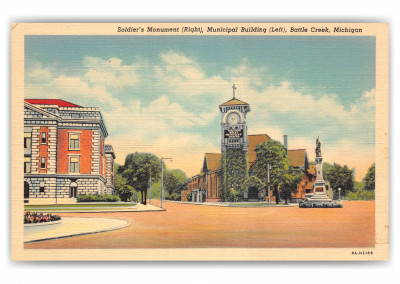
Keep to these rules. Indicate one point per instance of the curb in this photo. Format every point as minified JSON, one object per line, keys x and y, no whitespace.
{"x":43,"y":223}
{"x":82,"y":234}
{"x":228,"y":204}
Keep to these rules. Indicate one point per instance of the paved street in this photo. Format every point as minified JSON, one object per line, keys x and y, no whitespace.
{"x":194,"y":226}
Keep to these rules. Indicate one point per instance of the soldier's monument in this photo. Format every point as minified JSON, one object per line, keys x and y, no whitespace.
{"x":319,"y":198}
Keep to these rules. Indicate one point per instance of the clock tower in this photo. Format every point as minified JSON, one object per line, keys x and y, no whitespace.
{"x":234,"y":148}
{"x":233,"y":124}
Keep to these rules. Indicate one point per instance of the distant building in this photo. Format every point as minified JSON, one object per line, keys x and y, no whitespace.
{"x":65,"y":154}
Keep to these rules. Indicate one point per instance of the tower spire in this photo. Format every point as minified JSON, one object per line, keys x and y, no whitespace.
{"x":234,"y":88}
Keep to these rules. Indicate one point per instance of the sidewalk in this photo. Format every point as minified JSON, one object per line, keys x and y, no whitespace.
{"x":92,"y":209}
{"x":72,"y":226}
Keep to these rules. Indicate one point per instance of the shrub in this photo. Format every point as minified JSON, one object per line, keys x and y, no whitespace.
{"x":34,"y":217}
{"x":126,"y":192}
{"x":361,"y":195}
{"x":189,"y":196}
{"x":234,"y":196}
{"x":98,"y":198}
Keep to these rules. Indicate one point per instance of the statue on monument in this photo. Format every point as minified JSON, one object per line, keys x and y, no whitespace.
{"x":318,"y":148}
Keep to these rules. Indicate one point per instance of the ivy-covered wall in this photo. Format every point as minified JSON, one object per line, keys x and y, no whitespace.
{"x":233,"y":174}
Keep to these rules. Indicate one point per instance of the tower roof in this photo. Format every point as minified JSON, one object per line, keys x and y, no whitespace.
{"x":234,"y":101}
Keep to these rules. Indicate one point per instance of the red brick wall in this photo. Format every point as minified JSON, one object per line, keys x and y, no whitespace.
{"x":212,"y":186}
{"x":86,"y":147}
{"x":43,"y":149}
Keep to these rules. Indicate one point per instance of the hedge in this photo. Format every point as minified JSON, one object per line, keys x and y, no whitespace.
{"x":98,"y":198}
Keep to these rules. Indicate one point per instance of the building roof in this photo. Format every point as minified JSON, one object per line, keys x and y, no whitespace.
{"x":297,"y":157}
{"x":255,"y":140}
{"x":212,"y":162}
{"x":60,"y":103}
{"x":234,"y":101}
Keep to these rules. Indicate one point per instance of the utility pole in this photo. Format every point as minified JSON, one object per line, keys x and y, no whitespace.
{"x":268,"y":168}
{"x":150,"y":188}
{"x":162,"y":183}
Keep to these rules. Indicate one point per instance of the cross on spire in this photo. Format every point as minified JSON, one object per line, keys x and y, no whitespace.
{"x":234,"y":88}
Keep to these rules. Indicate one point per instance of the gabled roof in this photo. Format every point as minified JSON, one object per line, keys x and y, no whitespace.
{"x":297,"y":157}
{"x":255,"y":140}
{"x":212,"y":162}
{"x":60,"y":103}
{"x":233,"y":101}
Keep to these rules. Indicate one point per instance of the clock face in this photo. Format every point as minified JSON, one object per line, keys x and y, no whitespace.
{"x":233,"y":118}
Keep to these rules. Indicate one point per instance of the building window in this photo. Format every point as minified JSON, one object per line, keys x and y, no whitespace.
{"x":42,"y":162}
{"x":27,"y":140}
{"x":44,"y":137}
{"x":27,"y":165}
{"x":41,"y":187}
{"x":74,"y":141}
{"x":74,"y":165}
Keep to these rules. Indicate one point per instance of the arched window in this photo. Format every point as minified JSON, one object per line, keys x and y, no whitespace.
{"x":73,"y":188}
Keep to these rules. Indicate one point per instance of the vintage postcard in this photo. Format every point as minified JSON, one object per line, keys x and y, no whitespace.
{"x":200,"y":141}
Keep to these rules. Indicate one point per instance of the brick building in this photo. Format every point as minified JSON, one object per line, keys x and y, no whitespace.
{"x":237,"y":147}
{"x":65,"y":154}
{"x":204,"y":187}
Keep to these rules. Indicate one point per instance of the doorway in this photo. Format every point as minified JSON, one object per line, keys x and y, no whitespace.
{"x":26,"y":190}
{"x":253,"y":193}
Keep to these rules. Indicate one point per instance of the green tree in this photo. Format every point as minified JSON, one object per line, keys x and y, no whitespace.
{"x":119,"y":183}
{"x":359,"y":185}
{"x":369,"y":178}
{"x":253,"y":181}
{"x":292,"y":179}
{"x":175,"y":181}
{"x":138,"y":169}
{"x":338,"y":177}
{"x":272,"y":152}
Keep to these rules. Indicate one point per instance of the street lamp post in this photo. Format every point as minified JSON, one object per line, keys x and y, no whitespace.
{"x":162,"y":180}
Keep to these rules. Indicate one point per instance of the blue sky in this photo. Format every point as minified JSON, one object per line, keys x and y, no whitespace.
{"x":161,"y":93}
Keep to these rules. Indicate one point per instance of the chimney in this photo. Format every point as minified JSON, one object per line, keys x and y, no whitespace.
{"x":285,"y":143}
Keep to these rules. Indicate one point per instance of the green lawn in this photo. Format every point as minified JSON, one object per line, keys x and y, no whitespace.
{"x":77,"y":206}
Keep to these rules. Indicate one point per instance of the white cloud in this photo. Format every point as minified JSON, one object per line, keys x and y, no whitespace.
{"x":183,"y":76}
{"x":36,"y":72}
{"x":110,"y":72}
